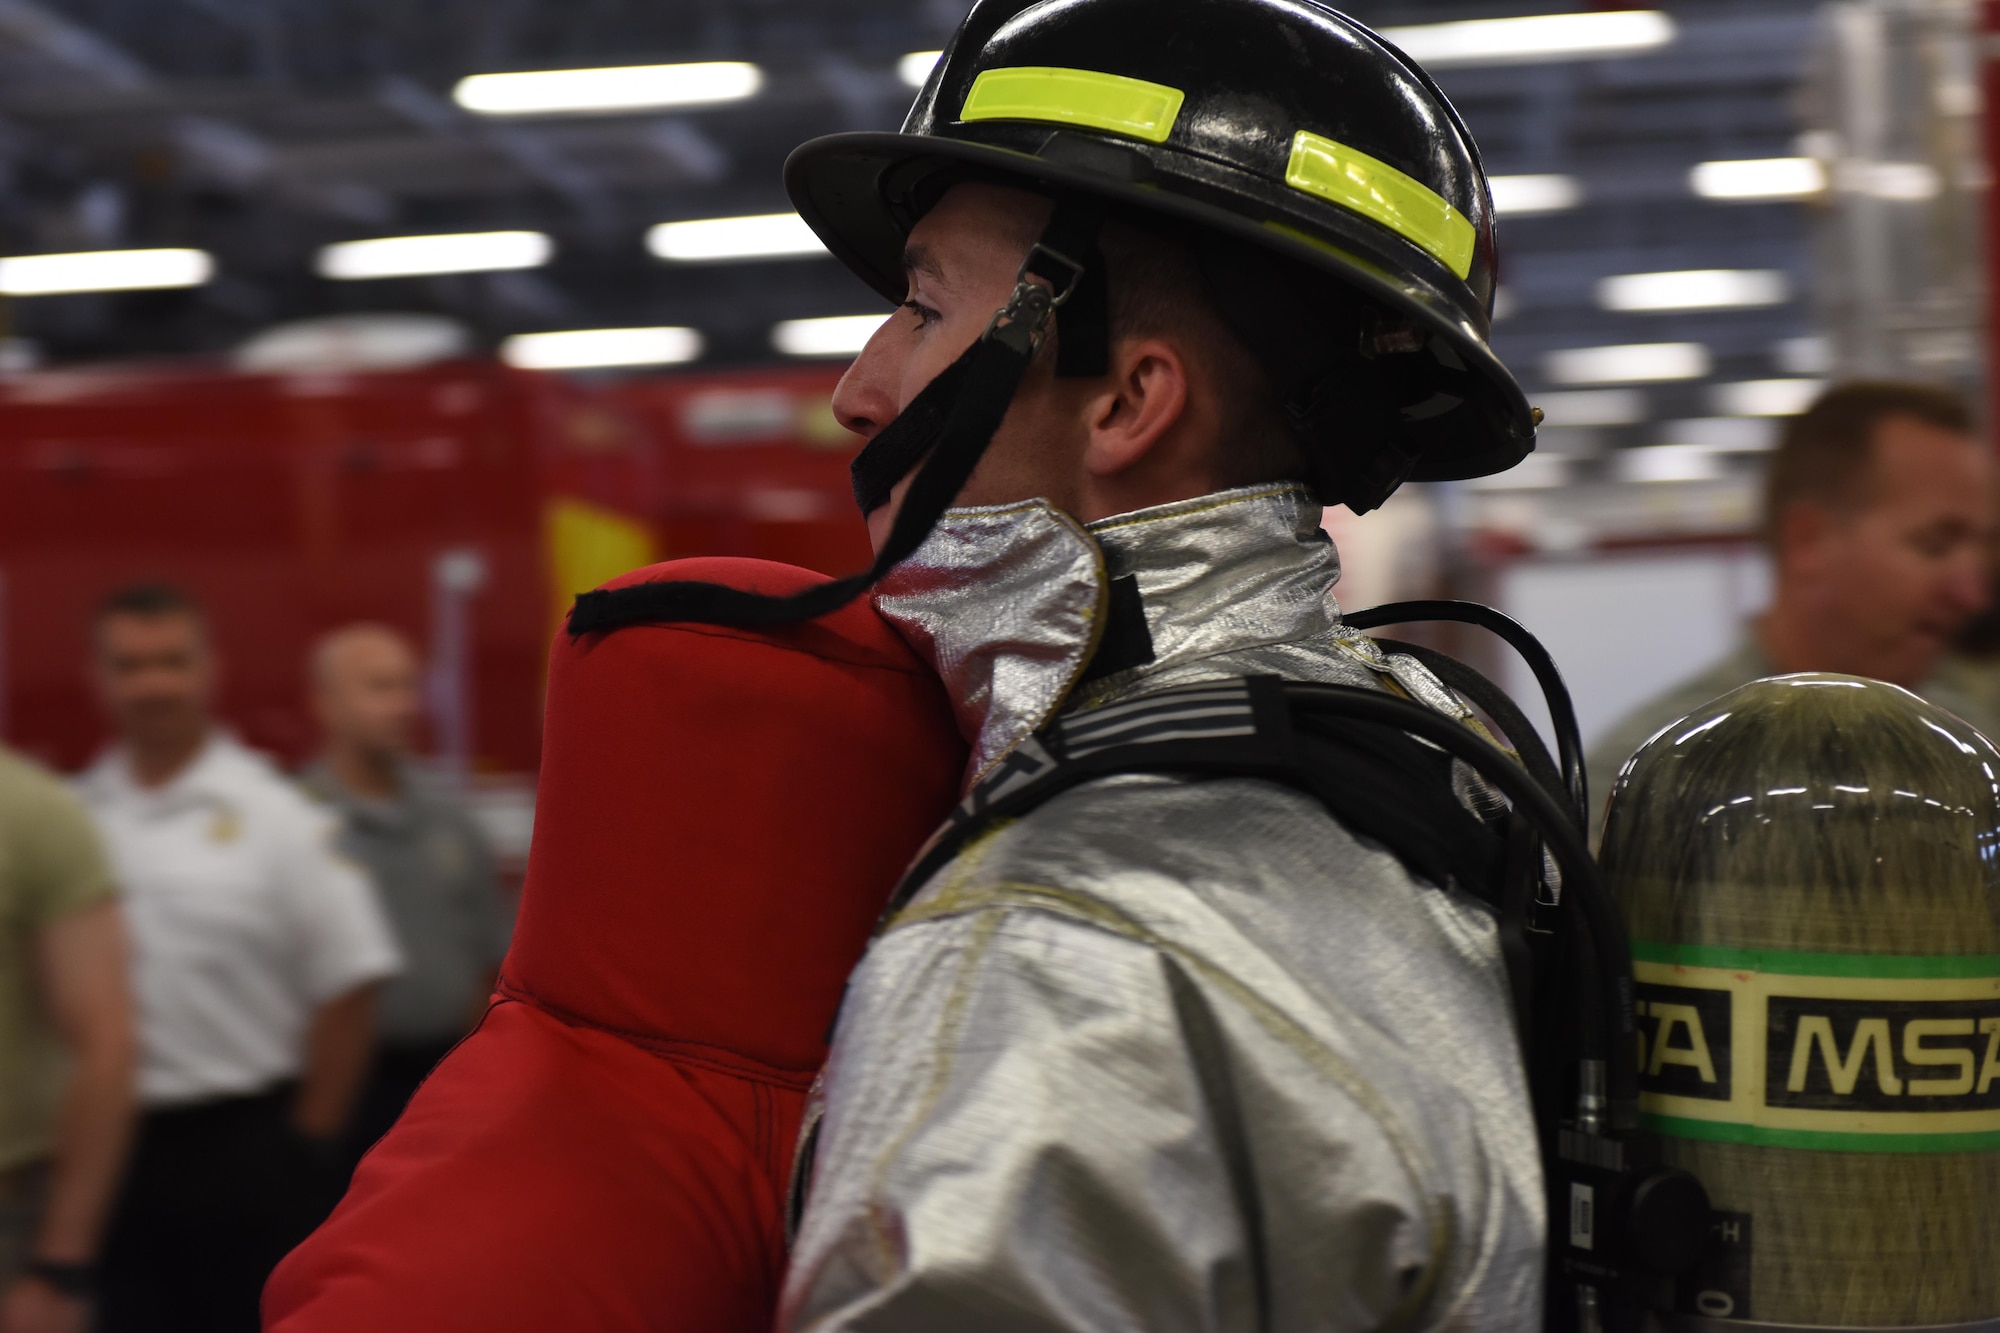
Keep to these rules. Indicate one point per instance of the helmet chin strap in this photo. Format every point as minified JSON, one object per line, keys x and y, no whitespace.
{"x":953,"y":420}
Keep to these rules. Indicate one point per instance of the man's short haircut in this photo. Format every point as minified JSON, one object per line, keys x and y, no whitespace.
{"x":1157,"y":290}
{"x":150,"y":600}
{"x":1826,"y":452}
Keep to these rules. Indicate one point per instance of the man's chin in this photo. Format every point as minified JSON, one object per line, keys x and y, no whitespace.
{"x":1916,"y":658}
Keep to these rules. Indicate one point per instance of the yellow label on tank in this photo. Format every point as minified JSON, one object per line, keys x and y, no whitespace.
{"x":1371,"y":187}
{"x":1845,"y":1052}
{"x":1113,"y":103}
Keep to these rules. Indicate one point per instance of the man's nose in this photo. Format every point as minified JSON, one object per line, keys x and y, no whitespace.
{"x":864,"y":401}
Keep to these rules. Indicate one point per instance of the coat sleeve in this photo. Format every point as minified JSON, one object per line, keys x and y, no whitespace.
{"x":341,"y":935}
{"x":1032,"y":1123}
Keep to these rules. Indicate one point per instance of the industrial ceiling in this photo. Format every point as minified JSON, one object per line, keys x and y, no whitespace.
{"x":260,"y":131}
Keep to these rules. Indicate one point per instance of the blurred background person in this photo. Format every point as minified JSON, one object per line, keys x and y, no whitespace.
{"x":258,"y":950}
{"x":432,"y":868}
{"x":1970,"y":673}
{"x":66,"y":1052}
{"x":1879,"y":512}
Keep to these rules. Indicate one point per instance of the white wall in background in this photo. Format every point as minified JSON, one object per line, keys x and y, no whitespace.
{"x":1625,"y":626}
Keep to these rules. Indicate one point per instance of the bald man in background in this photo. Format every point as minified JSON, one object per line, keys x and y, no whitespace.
{"x":431,"y":865}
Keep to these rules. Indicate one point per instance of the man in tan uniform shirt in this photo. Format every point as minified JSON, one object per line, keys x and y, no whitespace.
{"x":1880,"y":517}
{"x":66,"y":1051}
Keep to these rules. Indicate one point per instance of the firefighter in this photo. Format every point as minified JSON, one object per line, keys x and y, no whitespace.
{"x":1167,"y":1052}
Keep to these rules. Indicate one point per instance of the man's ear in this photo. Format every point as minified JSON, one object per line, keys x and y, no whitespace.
{"x":1146,"y":397}
{"x":1805,"y":533}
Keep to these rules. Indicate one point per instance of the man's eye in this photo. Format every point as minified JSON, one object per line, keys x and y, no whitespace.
{"x":925,"y":315}
{"x":1935,"y":543}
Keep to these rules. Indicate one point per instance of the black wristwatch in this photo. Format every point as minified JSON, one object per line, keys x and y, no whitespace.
{"x":78,"y":1281}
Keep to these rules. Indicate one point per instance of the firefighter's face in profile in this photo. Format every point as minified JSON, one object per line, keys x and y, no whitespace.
{"x":155,"y":676}
{"x":1090,"y":447}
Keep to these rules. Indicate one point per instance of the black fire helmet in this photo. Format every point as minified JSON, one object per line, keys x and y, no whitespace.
{"x":1339,"y":213}
{"x":1282,"y":124}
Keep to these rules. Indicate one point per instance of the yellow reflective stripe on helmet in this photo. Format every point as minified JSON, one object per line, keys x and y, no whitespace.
{"x":1374,"y":189}
{"x":1108,"y":102}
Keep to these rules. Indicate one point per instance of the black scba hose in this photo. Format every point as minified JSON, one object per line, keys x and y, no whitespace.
{"x":1642,"y":1224}
{"x":1562,"y":713}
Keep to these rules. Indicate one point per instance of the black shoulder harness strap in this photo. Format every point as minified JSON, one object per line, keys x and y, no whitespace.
{"x":1380,"y":782}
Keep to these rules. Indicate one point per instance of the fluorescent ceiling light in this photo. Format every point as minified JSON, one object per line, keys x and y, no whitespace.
{"x":1568,"y":442}
{"x":916,"y":67}
{"x":767,"y":235}
{"x":1538,"y":471}
{"x":839,"y":335}
{"x":1669,"y":462}
{"x":1808,"y":355}
{"x":1514,"y":41}
{"x":335,"y":343}
{"x":104,"y":271}
{"x":1627,"y":363}
{"x":1765,"y":398}
{"x":1517,"y":195}
{"x":1694,"y":289}
{"x":620,"y":88}
{"x":1759,"y":178}
{"x":575,"y":349}
{"x":1723,"y":435}
{"x":416,"y":256}
{"x":1592,"y":407}
{"x":1906,"y":181}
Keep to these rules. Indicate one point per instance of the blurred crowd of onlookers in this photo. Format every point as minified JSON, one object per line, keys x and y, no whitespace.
{"x":219,"y":983}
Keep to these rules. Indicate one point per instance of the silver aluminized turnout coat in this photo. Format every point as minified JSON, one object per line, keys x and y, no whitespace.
{"x":1166,"y":1053}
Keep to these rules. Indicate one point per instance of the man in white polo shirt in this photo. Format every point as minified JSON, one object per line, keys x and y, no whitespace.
{"x":258,"y":954}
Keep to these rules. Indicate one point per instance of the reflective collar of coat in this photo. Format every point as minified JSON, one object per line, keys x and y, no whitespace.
{"x":1010,"y":602}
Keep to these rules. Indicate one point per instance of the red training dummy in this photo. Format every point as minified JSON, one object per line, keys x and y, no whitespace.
{"x":721,"y":815}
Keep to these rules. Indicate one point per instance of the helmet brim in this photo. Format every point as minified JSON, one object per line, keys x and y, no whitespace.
{"x":837,"y":184}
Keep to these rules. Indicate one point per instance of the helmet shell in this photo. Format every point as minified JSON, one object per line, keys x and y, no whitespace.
{"x":1279,"y":122}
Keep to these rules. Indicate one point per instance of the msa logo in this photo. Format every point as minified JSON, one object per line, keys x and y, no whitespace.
{"x":1842,"y":1052}
{"x":1684,"y":1041}
{"x":1885,"y":1055}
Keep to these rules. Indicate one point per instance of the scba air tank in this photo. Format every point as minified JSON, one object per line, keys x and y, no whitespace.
{"x":1810,"y":869}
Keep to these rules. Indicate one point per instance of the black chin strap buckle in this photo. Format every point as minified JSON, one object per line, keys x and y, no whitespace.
{"x":1023,"y":323}
{"x":1053,"y":264}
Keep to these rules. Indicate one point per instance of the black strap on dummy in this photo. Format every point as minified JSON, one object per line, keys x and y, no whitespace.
{"x":951,"y":422}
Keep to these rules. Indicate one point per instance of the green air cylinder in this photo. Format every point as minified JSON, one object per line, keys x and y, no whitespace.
{"x":1810,"y":869}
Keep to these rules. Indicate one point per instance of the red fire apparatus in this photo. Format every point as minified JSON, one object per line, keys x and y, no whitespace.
{"x":464,"y":503}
